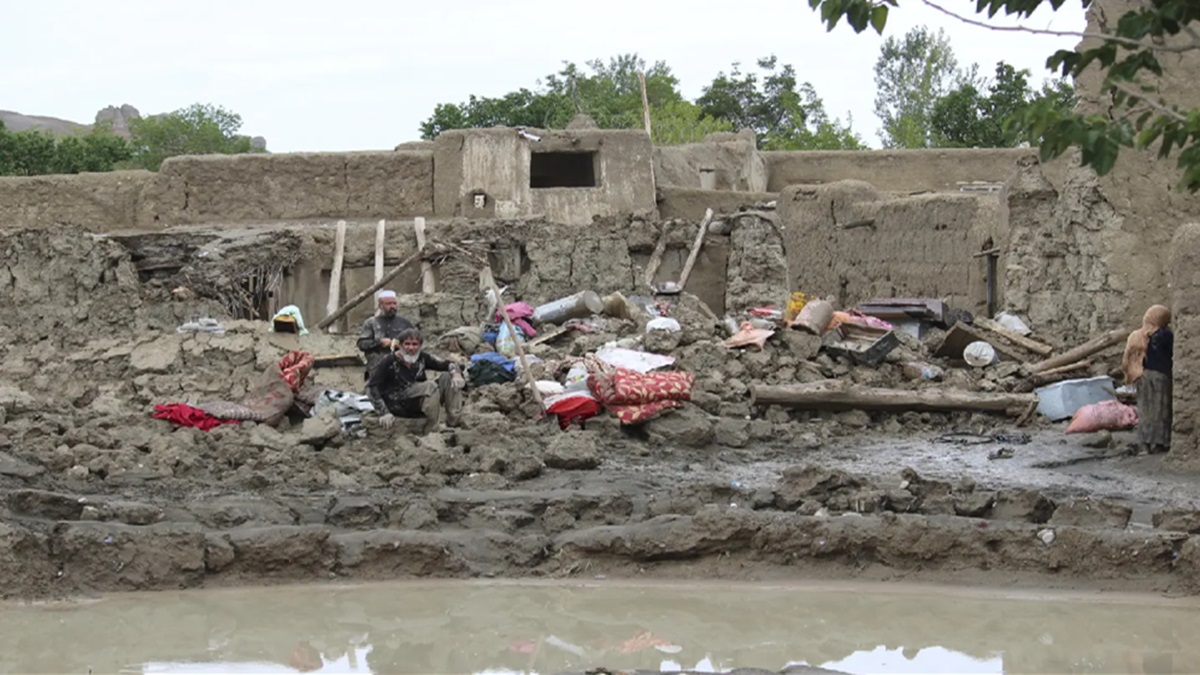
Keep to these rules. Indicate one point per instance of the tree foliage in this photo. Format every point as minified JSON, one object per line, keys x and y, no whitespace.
{"x":783,"y":113}
{"x":1128,"y":52}
{"x":984,"y":113}
{"x":35,"y":153}
{"x":911,"y":75}
{"x":199,"y":129}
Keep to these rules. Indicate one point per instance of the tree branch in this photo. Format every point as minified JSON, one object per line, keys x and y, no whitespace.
{"x":1194,"y":44}
{"x":1157,"y":105}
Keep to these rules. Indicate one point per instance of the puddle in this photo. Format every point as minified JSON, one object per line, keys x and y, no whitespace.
{"x":494,"y":628}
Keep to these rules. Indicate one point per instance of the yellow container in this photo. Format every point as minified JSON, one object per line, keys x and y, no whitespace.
{"x":795,"y":304}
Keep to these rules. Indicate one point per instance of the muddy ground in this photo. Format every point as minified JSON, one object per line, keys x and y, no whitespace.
{"x":97,"y":496}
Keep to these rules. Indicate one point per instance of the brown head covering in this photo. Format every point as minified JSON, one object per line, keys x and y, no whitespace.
{"x":1156,"y":318}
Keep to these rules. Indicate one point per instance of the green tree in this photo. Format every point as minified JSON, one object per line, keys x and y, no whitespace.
{"x":681,"y":122}
{"x":610,"y":92}
{"x":980,"y":114}
{"x":1128,"y":51}
{"x":784,"y":114}
{"x":33,"y":152}
{"x":200,"y":129}
{"x":911,"y":75}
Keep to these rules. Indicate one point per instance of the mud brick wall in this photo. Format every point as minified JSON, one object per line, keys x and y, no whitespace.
{"x":227,"y":189}
{"x":918,"y":246}
{"x":1184,"y":271}
{"x":893,"y":170}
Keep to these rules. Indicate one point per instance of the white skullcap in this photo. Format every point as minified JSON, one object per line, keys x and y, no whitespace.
{"x":385,"y":294}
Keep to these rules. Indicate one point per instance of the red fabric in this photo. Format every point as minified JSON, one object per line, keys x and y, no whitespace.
{"x":574,"y":409}
{"x":635,"y":397}
{"x":294,"y":368}
{"x":519,"y":313}
{"x":183,"y":415}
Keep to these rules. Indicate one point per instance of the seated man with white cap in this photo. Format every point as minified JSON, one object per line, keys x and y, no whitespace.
{"x":378,"y":333}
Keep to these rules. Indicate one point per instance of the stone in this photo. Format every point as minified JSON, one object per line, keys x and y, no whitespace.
{"x":315,"y":431}
{"x":11,"y":466}
{"x":42,"y":504}
{"x":975,"y":504}
{"x":800,"y":344}
{"x":688,"y":427}
{"x":1091,"y":513}
{"x":801,"y":483}
{"x":227,"y":512}
{"x":154,"y":357}
{"x":130,"y":513}
{"x":1177,"y":520}
{"x":732,"y":433}
{"x":1029,"y":506}
{"x":572,"y":450}
{"x":353,"y":512}
{"x":525,"y":467}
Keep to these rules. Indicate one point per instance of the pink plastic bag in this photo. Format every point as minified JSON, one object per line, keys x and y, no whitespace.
{"x":1110,"y":415}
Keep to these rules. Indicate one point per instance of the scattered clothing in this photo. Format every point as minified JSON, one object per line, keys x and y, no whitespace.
{"x":289,"y":315}
{"x":749,"y":335}
{"x":519,"y":313}
{"x":573,"y":408}
{"x":484,"y":372}
{"x":379,"y":328}
{"x":268,"y":401}
{"x":184,"y":415}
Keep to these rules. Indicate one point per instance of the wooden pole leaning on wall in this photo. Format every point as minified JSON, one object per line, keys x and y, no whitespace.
{"x":428,"y":283}
{"x":335,"y":273}
{"x":696,"y":246}
{"x":488,"y":281}
{"x":380,"y":237}
{"x":645,"y":104}
{"x":366,"y":293}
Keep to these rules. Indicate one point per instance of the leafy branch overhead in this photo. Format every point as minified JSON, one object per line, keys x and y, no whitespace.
{"x":1127,"y":52}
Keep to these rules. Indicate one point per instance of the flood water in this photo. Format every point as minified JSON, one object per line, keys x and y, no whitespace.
{"x":495,"y":628}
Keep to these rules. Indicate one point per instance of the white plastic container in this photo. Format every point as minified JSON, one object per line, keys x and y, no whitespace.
{"x":1061,"y":400}
{"x":979,"y":354}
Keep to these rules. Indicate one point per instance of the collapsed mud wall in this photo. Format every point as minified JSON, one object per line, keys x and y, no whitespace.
{"x":894,"y":170}
{"x":721,"y":162}
{"x":847,"y":239}
{"x":226,"y":189}
{"x":1184,"y":275}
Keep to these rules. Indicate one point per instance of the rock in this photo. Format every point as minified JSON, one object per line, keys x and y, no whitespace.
{"x":1029,"y":506}
{"x":975,"y":504}
{"x":1177,"y":520}
{"x":287,"y":550}
{"x":525,"y":467}
{"x":662,"y":341}
{"x":732,"y":433}
{"x":1091,"y":513}
{"x":11,"y":466}
{"x":483,"y":481}
{"x":353,"y":512}
{"x":419,"y":515}
{"x":315,"y":431}
{"x":857,"y":419}
{"x":42,"y":504}
{"x":227,"y":512}
{"x":572,"y":451}
{"x":154,"y":357}
{"x":688,"y":427}
{"x":130,"y":513}
{"x":1098,"y":440}
{"x":800,"y":344}
{"x":801,"y":483}
{"x":341,"y":481}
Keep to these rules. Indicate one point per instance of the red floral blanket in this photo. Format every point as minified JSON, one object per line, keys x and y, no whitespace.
{"x":635,"y":397}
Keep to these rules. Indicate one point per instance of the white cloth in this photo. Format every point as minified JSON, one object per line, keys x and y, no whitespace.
{"x":385,"y":294}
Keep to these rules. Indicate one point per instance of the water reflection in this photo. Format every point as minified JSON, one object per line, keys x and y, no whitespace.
{"x":514,"y":628}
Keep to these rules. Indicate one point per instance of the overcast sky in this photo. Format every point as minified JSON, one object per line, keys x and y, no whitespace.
{"x":363,"y":74}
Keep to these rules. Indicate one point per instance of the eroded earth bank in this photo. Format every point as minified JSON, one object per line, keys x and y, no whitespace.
{"x":95,"y":495}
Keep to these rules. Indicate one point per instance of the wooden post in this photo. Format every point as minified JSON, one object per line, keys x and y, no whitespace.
{"x":839,"y":395}
{"x":353,"y":302}
{"x":380,"y":235}
{"x":1034,"y":346}
{"x":656,"y":258}
{"x":487,"y":281}
{"x":335,"y":274}
{"x":645,"y":104}
{"x":427,"y":281}
{"x":1094,"y":346}
{"x":691,"y":261}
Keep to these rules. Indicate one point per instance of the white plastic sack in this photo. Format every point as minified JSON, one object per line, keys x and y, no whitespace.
{"x":642,"y":362}
{"x":1013,"y":323}
{"x":548,"y":387}
{"x":663,"y":323}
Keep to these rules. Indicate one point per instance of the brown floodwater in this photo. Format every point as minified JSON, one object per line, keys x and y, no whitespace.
{"x":502,"y":628}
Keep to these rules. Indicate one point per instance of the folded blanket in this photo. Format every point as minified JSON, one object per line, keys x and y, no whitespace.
{"x":635,"y":397}
{"x":279,"y":388}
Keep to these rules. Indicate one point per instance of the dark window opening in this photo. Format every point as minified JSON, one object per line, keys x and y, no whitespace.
{"x":562,"y":169}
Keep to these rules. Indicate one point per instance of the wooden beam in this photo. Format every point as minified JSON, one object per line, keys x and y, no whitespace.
{"x":335,"y":273}
{"x":488,"y":281}
{"x":380,"y":237}
{"x":1039,"y":348}
{"x":645,"y":104}
{"x":428,"y":284}
{"x":656,"y":257}
{"x":1083,"y":351}
{"x":696,"y":246}
{"x":366,"y":293}
{"x":840,"y":395}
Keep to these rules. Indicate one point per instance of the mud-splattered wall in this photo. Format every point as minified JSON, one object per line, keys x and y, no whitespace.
{"x":894,"y":170}
{"x":227,"y":189}
{"x":847,"y":239}
{"x":1184,"y":275}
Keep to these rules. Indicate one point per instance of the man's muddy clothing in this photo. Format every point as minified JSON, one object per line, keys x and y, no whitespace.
{"x":402,"y":389}
{"x":375,"y":329}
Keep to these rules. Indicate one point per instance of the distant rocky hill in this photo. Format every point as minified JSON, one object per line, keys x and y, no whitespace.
{"x":119,"y":117}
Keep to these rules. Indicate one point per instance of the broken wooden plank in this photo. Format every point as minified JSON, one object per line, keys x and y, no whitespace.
{"x":428,"y":284}
{"x":656,"y":257}
{"x":335,"y":273}
{"x":841,"y":395}
{"x":380,"y":237}
{"x":486,"y":280}
{"x":366,"y":293}
{"x":696,"y":246}
{"x":960,"y":335}
{"x":1039,"y":348}
{"x":338,"y":361}
{"x":1083,"y":351}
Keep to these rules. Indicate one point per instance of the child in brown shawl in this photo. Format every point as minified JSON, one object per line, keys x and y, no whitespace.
{"x":1148,"y":361}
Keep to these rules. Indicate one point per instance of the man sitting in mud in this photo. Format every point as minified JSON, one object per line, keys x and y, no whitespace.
{"x":398,"y":386}
{"x":379,"y":332}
